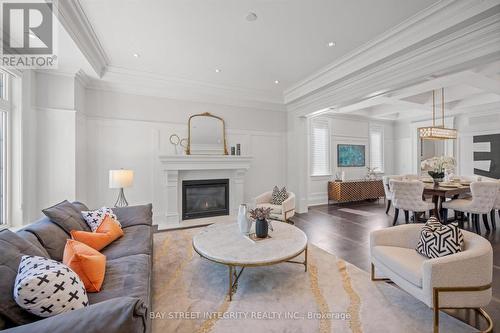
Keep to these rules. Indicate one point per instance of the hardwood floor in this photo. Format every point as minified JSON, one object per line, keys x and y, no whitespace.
{"x":344,"y":230}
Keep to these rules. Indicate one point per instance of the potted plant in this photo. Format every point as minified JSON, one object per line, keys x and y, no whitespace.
{"x":438,"y":166}
{"x":260,"y":215}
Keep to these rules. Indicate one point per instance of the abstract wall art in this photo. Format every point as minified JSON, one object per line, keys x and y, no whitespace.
{"x":486,"y":150}
{"x":350,"y":155}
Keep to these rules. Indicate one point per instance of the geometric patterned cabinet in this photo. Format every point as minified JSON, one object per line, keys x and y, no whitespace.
{"x":355,"y":190}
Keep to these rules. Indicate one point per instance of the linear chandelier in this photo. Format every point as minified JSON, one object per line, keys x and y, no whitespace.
{"x":437,"y":132}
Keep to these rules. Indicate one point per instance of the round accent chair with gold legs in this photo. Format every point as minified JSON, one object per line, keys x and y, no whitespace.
{"x":457,"y":281}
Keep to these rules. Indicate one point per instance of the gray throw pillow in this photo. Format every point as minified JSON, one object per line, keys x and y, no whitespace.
{"x":134,"y":215}
{"x":12,"y":248}
{"x":67,"y":216}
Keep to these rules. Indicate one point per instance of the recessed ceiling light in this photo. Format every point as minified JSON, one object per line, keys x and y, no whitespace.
{"x":217,"y":70}
{"x":251,"y":17}
{"x":136,"y":55}
{"x":331,"y":44}
{"x":276,"y":82}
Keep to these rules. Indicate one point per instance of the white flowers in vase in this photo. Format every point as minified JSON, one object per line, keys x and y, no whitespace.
{"x":437,"y":166}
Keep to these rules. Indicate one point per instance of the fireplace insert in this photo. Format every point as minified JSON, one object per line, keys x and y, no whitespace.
{"x":205,"y":198}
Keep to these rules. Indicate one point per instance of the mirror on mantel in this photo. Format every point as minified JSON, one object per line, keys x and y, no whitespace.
{"x":206,"y":135}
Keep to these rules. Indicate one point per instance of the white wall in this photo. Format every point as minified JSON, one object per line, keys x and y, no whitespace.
{"x":56,"y":113}
{"x":468,"y":125}
{"x":131,"y":131}
{"x":350,"y":130}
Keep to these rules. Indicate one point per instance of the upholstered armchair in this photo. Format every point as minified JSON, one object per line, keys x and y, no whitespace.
{"x":278,"y":212}
{"x":407,"y":196}
{"x":461,"y":280}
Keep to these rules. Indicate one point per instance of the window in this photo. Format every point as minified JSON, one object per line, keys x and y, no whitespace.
{"x":4,"y":109}
{"x":377,"y":148}
{"x":320,"y":147}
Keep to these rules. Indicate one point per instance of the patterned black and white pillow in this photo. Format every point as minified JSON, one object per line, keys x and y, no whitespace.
{"x":46,"y":287}
{"x":94,"y":218}
{"x":438,"y":240}
{"x":278,"y":195}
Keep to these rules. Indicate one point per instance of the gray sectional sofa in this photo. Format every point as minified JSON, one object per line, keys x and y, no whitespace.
{"x":124,"y":302}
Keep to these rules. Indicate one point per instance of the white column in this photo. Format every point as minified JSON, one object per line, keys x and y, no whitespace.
{"x":172,"y":197}
{"x":237,"y":191}
{"x":297,"y":160}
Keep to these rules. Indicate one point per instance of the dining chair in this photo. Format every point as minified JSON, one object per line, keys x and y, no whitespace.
{"x":496,"y":207}
{"x":484,"y":196}
{"x":407,"y":196}
{"x":388,"y":191}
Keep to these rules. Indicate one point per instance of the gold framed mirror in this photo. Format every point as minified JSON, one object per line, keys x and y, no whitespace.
{"x":206,"y":135}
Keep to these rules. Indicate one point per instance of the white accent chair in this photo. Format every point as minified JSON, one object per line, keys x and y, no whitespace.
{"x":408,"y":196}
{"x":278,"y":212}
{"x":460,"y":280}
{"x":484,"y":196}
{"x":388,"y":191}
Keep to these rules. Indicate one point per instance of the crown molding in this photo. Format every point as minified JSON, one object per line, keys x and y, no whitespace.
{"x":468,"y":43}
{"x":76,"y":23}
{"x":410,"y":37}
{"x":82,"y":78}
{"x":135,"y":82}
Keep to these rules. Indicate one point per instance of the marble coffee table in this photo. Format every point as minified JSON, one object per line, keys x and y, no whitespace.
{"x":224,"y":244}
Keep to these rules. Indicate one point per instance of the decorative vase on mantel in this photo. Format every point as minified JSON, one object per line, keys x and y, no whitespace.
{"x":261,"y":228}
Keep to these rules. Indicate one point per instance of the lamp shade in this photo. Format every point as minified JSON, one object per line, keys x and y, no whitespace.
{"x":121,"y":178}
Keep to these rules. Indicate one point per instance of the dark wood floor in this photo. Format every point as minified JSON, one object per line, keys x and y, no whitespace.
{"x":346,"y":235}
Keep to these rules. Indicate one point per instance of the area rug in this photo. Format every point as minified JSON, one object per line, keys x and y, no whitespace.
{"x":189,"y":295}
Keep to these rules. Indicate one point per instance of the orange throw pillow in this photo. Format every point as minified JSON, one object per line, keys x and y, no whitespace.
{"x":87,"y":263}
{"x":107,"y":232}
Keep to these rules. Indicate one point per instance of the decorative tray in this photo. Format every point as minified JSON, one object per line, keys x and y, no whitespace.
{"x":253,"y":237}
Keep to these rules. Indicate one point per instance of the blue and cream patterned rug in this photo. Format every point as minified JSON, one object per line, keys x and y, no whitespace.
{"x":189,"y":295}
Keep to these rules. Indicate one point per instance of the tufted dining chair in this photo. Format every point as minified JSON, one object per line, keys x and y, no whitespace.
{"x":496,"y":207}
{"x":484,"y":196}
{"x":388,"y":191}
{"x":407,"y":196}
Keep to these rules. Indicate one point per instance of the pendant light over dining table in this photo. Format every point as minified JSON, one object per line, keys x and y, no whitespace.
{"x":437,"y":132}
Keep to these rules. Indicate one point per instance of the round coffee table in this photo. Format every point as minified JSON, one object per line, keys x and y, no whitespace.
{"x":224,"y":244}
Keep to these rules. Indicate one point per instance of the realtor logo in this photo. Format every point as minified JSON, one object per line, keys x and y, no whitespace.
{"x":28,"y":35}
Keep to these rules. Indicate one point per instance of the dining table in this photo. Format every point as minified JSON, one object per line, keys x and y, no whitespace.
{"x":440,"y":192}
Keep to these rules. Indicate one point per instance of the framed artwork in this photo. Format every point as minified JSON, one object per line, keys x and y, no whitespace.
{"x":486,"y":150}
{"x":350,"y":155}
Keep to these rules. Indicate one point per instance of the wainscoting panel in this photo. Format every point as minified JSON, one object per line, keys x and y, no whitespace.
{"x":133,"y":144}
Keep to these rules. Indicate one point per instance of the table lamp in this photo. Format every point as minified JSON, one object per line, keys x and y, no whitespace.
{"x":121,"y":179}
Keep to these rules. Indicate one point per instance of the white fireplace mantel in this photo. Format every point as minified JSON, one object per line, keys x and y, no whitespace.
{"x":205,"y":162}
{"x":177,"y":168}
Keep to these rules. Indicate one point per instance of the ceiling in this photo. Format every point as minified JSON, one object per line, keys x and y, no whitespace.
{"x":190,"y":39}
{"x":473,"y":90}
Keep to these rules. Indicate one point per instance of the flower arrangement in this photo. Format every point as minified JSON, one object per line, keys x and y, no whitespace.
{"x":438,"y":165}
{"x":260,"y":213}
{"x":262,"y":224}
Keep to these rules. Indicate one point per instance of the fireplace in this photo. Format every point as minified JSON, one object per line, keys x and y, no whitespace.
{"x":205,"y":198}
